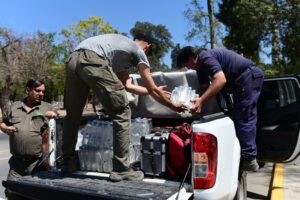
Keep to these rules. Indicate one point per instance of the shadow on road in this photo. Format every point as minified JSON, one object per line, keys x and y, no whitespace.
{"x":253,"y":195}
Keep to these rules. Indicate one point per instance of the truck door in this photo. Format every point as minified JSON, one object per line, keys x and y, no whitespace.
{"x":279,"y":120}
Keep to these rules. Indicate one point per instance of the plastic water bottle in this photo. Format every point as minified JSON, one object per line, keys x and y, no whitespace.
{"x":184,"y":95}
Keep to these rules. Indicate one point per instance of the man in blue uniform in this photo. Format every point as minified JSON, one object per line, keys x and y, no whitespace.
{"x":224,"y":70}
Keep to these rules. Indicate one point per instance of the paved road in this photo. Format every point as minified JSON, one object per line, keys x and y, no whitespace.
{"x":291,"y":181}
{"x":259,"y":184}
{"x":265,"y":184}
{"x":4,"y":156}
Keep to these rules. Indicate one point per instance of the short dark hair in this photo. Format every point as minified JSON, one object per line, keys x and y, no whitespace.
{"x":185,"y":53}
{"x":33,"y":83}
{"x":143,"y":37}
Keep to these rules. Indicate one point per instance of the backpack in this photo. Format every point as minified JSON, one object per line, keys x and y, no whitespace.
{"x":179,"y":151}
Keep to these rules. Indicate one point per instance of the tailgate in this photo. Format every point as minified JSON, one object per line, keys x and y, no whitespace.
{"x":51,"y":185}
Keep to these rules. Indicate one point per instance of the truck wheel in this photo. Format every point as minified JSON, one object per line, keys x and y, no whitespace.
{"x":241,"y":193}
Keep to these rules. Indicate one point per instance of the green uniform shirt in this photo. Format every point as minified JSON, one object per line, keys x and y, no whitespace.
{"x":27,"y":140}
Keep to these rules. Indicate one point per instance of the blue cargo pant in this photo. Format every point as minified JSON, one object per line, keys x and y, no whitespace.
{"x":246,"y":91}
{"x":86,"y":70}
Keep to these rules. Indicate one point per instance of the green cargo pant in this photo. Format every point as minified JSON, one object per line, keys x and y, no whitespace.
{"x":21,"y":167}
{"x":85,"y":69}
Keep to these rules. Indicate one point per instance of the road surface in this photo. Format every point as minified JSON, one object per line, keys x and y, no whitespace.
{"x":259,"y":184}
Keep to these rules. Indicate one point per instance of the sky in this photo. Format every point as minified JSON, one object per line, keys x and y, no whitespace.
{"x":29,"y":16}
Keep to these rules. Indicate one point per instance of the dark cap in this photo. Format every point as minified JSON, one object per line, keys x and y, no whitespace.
{"x":143,"y":37}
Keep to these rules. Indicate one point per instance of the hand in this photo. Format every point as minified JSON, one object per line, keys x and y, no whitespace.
{"x":166,"y":93}
{"x":10,"y":130}
{"x":180,"y":108}
{"x":197,"y":105}
{"x":50,"y":114}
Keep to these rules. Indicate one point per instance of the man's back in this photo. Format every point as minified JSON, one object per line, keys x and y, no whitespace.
{"x":118,"y":49}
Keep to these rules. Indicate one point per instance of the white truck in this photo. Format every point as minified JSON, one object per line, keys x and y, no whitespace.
{"x":220,"y":178}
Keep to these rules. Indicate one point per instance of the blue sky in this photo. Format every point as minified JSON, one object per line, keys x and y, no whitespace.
{"x":29,"y":16}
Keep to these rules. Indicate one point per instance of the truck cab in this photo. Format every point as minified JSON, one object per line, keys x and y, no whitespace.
{"x":213,"y":136}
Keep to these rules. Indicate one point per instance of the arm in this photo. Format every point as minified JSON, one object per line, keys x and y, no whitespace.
{"x":127,"y":82}
{"x":51,"y":113}
{"x":8,"y":130}
{"x":156,"y":92}
{"x":218,"y":82}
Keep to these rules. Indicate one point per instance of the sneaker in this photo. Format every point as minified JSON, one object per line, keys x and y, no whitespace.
{"x":69,"y":166}
{"x":249,"y":165}
{"x":130,"y":175}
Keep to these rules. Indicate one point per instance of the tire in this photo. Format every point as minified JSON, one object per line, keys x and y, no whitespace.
{"x":241,"y":192}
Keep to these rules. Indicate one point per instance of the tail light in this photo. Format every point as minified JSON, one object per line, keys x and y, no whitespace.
{"x":205,"y":154}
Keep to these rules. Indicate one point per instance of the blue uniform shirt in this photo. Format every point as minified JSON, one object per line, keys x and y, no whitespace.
{"x":221,"y":59}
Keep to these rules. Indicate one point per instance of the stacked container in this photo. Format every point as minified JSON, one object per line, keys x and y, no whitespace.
{"x":96,"y":146}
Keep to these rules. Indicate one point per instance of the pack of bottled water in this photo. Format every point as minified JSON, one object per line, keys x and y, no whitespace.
{"x":96,"y":143}
{"x":139,"y":127}
{"x":184,"y":95}
{"x":95,"y":152}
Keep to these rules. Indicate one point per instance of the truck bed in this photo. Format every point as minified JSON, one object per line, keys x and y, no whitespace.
{"x":52,"y":185}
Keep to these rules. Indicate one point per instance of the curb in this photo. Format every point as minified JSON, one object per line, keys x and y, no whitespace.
{"x":277,"y":183}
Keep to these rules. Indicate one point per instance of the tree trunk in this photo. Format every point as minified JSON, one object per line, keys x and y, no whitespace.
{"x":4,"y":103}
{"x":211,"y":23}
{"x":276,"y":52}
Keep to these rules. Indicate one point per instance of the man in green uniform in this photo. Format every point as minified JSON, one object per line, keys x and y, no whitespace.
{"x":23,"y":125}
{"x":101,"y":63}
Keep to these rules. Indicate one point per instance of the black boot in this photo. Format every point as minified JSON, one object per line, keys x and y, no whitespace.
{"x":69,"y":166}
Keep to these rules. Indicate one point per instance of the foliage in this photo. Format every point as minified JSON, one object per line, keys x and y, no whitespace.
{"x":35,"y":59}
{"x":23,"y":58}
{"x":84,"y":29}
{"x":244,"y":21}
{"x":291,"y":35}
{"x":10,"y":45}
{"x":161,"y":42}
{"x":204,"y":28}
{"x":174,"y":54}
{"x":55,"y":83}
{"x":256,"y":24}
{"x":269,"y":70}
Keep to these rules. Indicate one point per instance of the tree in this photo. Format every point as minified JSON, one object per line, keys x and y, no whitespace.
{"x":174,"y":54}
{"x":246,"y":24}
{"x":204,"y":26}
{"x":22,"y":58}
{"x":84,"y":29}
{"x":259,"y":24}
{"x":9,"y":44}
{"x":291,"y":35}
{"x":161,"y":42}
{"x":35,"y":56}
{"x":56,"y":82}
